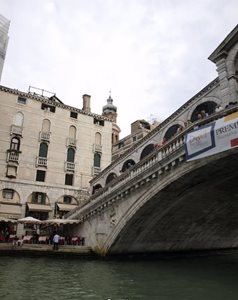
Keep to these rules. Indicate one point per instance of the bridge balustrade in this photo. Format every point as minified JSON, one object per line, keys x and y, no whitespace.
{"x":157,"y":156}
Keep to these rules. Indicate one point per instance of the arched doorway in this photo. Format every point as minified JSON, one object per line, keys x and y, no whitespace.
{"x":147,"y":150}
{"x":171,"y":131}
{"x":96,"y":188}
{"x":110,"y":177}
{"x":127,"y":164}
{"x":209,"y":108}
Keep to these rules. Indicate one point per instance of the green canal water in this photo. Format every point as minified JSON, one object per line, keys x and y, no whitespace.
{"x":190,"y":278}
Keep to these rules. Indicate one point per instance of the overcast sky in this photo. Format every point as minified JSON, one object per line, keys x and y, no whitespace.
{"x":151,"y":54}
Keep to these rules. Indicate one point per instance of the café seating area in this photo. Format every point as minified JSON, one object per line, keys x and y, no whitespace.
{"x":44,"y":239}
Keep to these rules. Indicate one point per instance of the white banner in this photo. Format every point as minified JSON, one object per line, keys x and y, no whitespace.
{"x":212,"y":138}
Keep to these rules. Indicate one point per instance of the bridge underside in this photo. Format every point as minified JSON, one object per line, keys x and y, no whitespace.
{"x":198,"y":211}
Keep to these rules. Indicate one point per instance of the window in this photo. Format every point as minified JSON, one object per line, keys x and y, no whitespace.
{"x":97,"y":160}
{"x":70,"y":155}
{"x":67,"y":199}
{"x":48,"y":107}
{"x":98,"y":122}
{"x":40,"y":175}
{"x":43,"y":150}
{"x":15,"y":144}
{"x":18,"y":119}
{"x":21,"y":100}
{"x":8,"y":194}
{"x":73,"y":115}
{"x":46,"y":125}
{"x":98,"y":138}
{"x":69,"y":179}
{"x":38,"y":198}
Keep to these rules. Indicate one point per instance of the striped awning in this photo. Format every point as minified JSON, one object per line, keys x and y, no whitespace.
{"x":39,"y":207}
{"x":66,"y":207}
{"x":10,"y":211}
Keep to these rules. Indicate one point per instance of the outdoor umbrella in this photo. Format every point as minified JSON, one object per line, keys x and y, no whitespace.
{"x":29,"y":220}
{"x":6,"y":220}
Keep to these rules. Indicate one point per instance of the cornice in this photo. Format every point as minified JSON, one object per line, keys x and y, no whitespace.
{"x":51,"y":102}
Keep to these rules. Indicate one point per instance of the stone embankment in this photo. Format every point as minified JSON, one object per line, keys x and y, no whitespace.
{"x":46,"y":250}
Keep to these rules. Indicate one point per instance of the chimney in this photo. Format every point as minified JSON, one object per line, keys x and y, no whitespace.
{"x":86,"y":103}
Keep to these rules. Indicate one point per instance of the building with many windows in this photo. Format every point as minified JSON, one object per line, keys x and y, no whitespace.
{"x":49,"y":152}
{"x":4,"y":27}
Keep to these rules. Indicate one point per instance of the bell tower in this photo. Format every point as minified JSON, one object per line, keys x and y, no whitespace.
{"x":110,"y":111}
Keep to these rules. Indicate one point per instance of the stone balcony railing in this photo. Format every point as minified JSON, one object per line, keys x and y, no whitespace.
{"x":41,"y":161}
{"x":153,"y":165}
{"x":45,"y":136}
{"x":69,"y":166}
{"x":13,"y":156}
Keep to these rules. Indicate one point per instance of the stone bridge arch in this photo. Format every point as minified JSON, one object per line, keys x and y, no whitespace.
{"x":160,"y":208}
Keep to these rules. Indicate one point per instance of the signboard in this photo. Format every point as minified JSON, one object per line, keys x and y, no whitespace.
{"x":213,"y":138}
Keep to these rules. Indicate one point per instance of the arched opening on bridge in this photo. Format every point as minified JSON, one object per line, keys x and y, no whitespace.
{"x":110,"y":177}
{"x":207,"y":107}
{"x":127,"y":164}
{"x":96,"y":188}
{"x":172,"y":131}
{"x":147,"y":150}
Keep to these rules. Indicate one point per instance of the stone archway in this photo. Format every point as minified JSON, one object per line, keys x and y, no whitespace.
{"x":208,"y":106}
{"x":147,"y":150}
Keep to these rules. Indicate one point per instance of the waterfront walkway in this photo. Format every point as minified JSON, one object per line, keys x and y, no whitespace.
{"x":46,"y":250}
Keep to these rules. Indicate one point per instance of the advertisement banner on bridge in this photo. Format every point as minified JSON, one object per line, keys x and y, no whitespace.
{"x":213,"y":138}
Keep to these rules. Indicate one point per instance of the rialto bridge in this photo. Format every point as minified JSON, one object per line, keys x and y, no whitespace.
{"x":152,"y":199}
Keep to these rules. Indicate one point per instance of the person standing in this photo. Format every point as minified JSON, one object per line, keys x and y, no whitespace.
{"x":56,"y":238}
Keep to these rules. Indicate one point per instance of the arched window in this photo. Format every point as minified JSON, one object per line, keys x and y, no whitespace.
{"x":46,"y":125}
{"x":96,"y":188}
{"x":98,"y":138}
{"x":70,"y":155}
{"x":15,"y":144}
{"x":43,"y":150}
{"x":171,"y":131}
{"x":208,"y":107}
{"x":127,"y":165}
{"x":110,"y":177}
{"x":18,"y":119}
{"x":147,"y":150}
{"x":97,"y":160}
{"x":72,"y":132}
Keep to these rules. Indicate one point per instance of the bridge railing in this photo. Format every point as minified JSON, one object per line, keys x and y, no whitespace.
{"x":158,"y":155}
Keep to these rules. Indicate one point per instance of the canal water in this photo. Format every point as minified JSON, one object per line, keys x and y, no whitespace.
{"x":187,"y":278}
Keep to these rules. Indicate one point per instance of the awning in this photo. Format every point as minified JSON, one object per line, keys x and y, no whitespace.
{"x":10,"y":211}
{"x":66,"y":207}
{"x":39,"y":207}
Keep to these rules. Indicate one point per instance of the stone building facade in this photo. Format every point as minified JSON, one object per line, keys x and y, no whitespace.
{"x":49,"y":152}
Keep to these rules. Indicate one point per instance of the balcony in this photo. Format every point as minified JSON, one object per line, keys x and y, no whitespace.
{"x":96,"y":170}
{"x":41,"y":162}
{"x":71,"y":142}
{"x":13,"y":156}
{"x":45,"y":136}
{"x":97,"y":148}
{"x":69,"y":166}
{"x":16,"y":130}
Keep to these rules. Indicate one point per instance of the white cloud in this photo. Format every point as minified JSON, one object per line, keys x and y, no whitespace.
{"x":150,"y":53}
